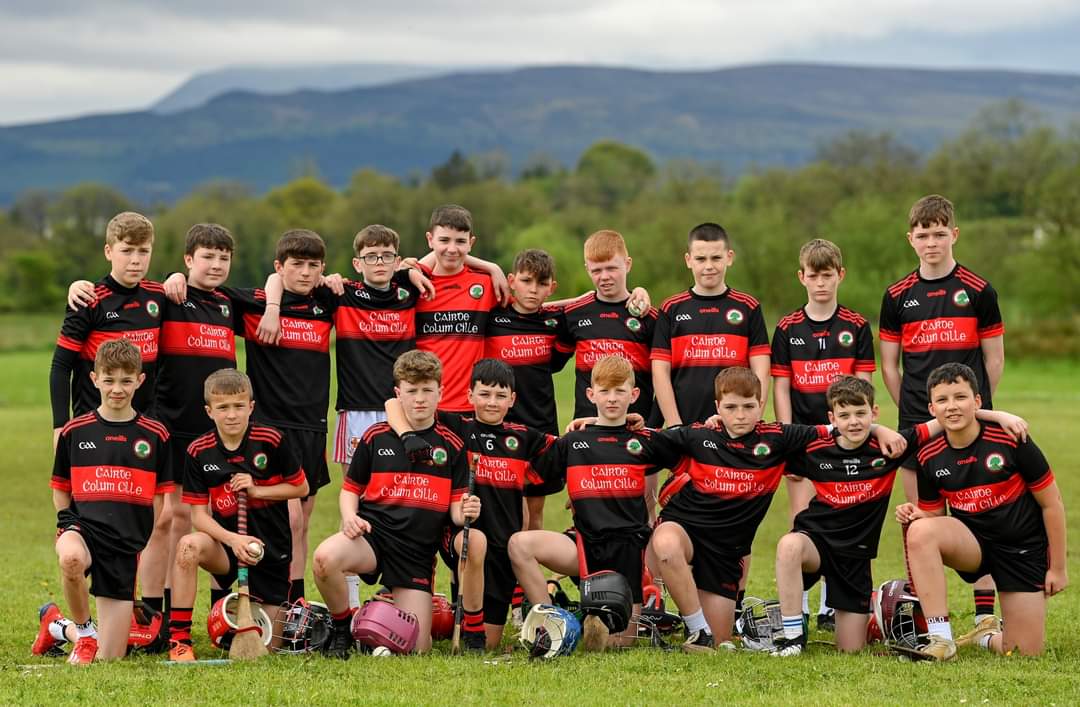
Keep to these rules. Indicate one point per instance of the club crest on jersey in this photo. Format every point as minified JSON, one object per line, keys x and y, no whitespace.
{"x":550,"y":323}
{"x":511,"y":443}
{"x":142,"y":448}
{"x":316,"y":310}
{"x":845,"y":338}
{"x":734,"y":316}
{"x":259,"y":460}
{"x":476,"y":291}
{"x":402,"y":294}
{"x":761,"y":449}
{"x":960,"y":298}
{"x":877,"y":463}
{"x":439,"y":455}
{"x":633,"y":446}
{"x":225,"y":310}
{"x":153,"y":309}
{"x":995,"y":462}
{"x":633,"y":324}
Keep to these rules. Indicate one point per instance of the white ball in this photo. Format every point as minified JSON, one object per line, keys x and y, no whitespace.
{"x":255,"y":550}
{"x":381,"y":651}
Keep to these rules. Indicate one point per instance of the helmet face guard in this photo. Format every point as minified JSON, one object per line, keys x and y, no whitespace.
{"x":898,"y":615}
{"x":302,"y":627}
{"x":221,"y":622}
{"x":380,"y":623}
{"x":607,"y":595}
{"x":760,"y":623}
{"x":550,"y":631}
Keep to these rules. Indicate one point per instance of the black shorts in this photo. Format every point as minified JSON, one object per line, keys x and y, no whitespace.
{"x":623,"y":555}
{"x":400,"y":564}
{"x":311,"y":446}
{"x":268,"y":583}
{"x":1014,"y":569}
{"x":549,"y":487}
{"x":499,"y":579}
{"x":716,"y":567}
{"x":111,"y":573}
{"x":848,"y":578}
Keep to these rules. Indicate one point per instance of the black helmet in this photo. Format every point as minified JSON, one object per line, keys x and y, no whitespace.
{"x":607,"y":595}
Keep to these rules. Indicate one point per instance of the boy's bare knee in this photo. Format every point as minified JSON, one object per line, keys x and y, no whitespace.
{"x":518,"y":548}
{"x":920,"y":535}
{"x":187,"y":553}
{"x":322,"y":563}
{"x":72,"y":564}
{"x":477,"y":543}
{"x":667,"y":548}
{"x":789,"y":548}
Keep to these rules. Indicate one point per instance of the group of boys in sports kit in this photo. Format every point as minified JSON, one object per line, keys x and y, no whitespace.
{"x":448,"y":443}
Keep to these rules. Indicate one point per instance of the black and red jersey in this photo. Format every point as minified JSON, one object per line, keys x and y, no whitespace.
{"x":852,"y":488}
{"x":503,"y":455}
{"x":452,"y":326}
{"x":935,"y":322}
{"x":725,"y":484}
{"x":605,"y":469}
{"x":113,"y":470}
{"x":409,"y":500}
{"x":198,"y":337}
{"x":815,"y":353}
{"x":373,"y":327}
{"x":117,"y":312}
{"x":595,"y":329}
{"x":987,"y":485}
{"x":290,"y":381}
{"x":526,"y":342}
{"x":266,"y":455}
{"x":700,"y":335}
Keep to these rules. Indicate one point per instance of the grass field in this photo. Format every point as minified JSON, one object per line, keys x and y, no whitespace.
{"x":1047,"y":394}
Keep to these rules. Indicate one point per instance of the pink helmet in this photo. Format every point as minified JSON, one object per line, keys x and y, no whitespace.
{"x":379,"y":623}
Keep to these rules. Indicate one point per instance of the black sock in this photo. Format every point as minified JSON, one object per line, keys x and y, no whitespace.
{"x":984,"y":602}
{"x":168,"y":600}
{"x":216,"y":595}
{"x":296,"y":589}
{"x":155,"y":603}
{"x":738,"y":600}
{"x":180,"y":625}
{"x":473,"y":622}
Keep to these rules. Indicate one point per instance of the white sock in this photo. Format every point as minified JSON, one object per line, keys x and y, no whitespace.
{"x":822,"y":609}
{"x":86,"y":629}
{"x":793,"y":626}
{"x":696,"y":622}
{"x":56,"y":630}
{"x":806,"y":602}
{"x":939,"y":626}
{"x":352,"y":582}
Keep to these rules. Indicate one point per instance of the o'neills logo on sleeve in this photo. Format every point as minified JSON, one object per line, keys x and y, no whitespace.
{"x":605,"y":481}
{"x":406,"y":488}
{"x":194,"y":339}
{"x":113,"y":483}
{"x":729,"y":483}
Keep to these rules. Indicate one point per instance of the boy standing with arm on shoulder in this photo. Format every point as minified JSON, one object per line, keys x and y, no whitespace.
{"x":939,"y":313}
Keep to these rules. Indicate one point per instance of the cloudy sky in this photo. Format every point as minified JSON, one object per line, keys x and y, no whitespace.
{"x":62,"y":58}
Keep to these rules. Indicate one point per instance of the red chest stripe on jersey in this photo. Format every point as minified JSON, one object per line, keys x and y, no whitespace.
{"x":521,"y":349}
{"x":195,"y":339}
{"x":605,"y":480}
{"x":843,"y":494}
{"x":145,"y":339}
{"x":590,"y":351}
{"x":709,"y":350}
{"x":950,"y":333}
{"x":815,"y":376}
{"x":375,"y":324}
{"x":977,"y":499}
{"x":304,"y":334}
{"x":500,"y":472}
{"x":113,"y":483}
{"x":728,"y":482}
{"x":408,"y":488}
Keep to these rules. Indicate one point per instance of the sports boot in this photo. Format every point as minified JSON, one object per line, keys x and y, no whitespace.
{"x":699,"y":642}
{"x":84,"y":652}
{"x":341,"y":642}
{"x":45,"y":644}
{"x":987,"y":626}
{"x":939,"y":649}
{"x":788,"y":647}
{"x":180,"y":652}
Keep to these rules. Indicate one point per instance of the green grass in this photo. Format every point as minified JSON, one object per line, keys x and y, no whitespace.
{"x":1045,"y":393}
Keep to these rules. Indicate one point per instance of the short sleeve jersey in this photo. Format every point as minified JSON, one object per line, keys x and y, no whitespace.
{"x":118,"y":312}
{"x":700,"y":335}
{"x":595,"y":329}
{"x":373,"y":327}
{"x":266,"y":455}
{"x":526,"y":342}
{"x":113,"y":470}
{"x":935,"y":322}
{"x":409,"y":500}
{"x":198,"y":337}
{"x":452,"y":326}
{"x":815,"y":353}
{"x":987,"y":486}
{"x":852,"y":488}
{"x":725,"y":484}
{"x":290,"y":381}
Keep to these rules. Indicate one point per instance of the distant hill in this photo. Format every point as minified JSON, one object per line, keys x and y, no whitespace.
{"x":764,"y":115}
{"x":277,"y":80}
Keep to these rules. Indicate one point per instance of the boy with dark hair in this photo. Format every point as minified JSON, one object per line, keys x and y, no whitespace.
{"x":238,"y":456}
{"x":111,"y":468}
{"x":502,"y":452}
{"x":1007,"y":521}
{"x":939,"y":313}
{"x":393,"y":509}
{"x":812,"y":347}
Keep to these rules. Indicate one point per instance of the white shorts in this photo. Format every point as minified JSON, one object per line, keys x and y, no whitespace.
{"x":351,"y":426}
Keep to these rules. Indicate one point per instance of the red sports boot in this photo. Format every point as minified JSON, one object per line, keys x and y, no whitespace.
{"x":44,"y":642}
{"x":84,"y":652}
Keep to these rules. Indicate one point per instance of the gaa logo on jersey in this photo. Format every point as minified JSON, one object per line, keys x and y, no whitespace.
{"x":845,"y":338}
{"x":960,"y":298}
{"x":402,"y":294}
{"x":761,"y":449}
{"x":734,"y":316}
{"x":877,"y":463}
{"x":633,"y":446}
{"x":476,"y":291}
{"x":511,"y":443}
{"x":439,"y":455}
{"x":259,"y":460}
{"x":995,"y":462}
{"x":142,"y":448}
{"x":633,"y":324}
{"x":225,"y":311}
{"x":153,"y":309}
